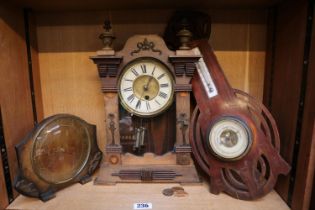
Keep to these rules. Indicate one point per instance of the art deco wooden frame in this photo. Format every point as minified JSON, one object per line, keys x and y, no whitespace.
{"x":29,"y":181}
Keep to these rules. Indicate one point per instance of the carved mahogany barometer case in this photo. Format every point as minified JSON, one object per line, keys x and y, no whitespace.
{"x":146,"y":91}
{"x":234,"y":138}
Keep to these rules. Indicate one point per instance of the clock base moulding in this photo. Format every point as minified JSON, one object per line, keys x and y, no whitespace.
{"x":149,"y":168}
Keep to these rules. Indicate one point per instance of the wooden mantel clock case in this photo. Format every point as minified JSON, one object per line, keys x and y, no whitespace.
{"x":147,"y":91}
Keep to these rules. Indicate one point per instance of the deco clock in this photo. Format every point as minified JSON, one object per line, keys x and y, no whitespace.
{"x":59,"y":151}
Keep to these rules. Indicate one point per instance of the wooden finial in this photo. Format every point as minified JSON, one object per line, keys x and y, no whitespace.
{"x":184,"y":36}
{"x":107,"y":37}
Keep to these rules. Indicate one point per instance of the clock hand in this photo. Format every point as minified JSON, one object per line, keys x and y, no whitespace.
{"x":146,"y":87}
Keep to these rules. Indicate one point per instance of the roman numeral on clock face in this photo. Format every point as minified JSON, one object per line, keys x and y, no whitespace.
{"x":128,"y":80}
{"x":160,"y":77}
{"x":128,"y":89}
{"x":153,"y":71}
{"x":148,"y":105}
{"x":138,"y":105}
{"x":162,"y":94}
{"x":144,"y":68}
{"x":130,"y":98}
{"x":164,"y":85}
{"x":135,"y":72}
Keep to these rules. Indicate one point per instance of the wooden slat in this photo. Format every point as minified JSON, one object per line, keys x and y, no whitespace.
{"x":71,"y":5}
{"x":269,"y":68}
{"x":286,"y":83}
{"x":305,"y":177}
{"x":15,"y":97}
{"x":306,"y":159}
{"x":35,"y":67}
{"x":3,"y":195}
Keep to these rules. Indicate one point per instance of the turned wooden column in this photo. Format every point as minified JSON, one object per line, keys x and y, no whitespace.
{"x":184,"y":66}
{"x":107,"y":66}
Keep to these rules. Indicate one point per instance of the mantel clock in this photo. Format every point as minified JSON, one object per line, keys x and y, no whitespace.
{"x":147,"y":91}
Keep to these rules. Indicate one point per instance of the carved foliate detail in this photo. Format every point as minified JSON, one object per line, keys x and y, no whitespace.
{"x":145,"y":46}
{"x":183,"y":121}
{"x":112,"y":127}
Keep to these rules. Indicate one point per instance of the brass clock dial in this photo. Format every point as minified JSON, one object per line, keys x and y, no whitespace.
{"x":146,"y":87}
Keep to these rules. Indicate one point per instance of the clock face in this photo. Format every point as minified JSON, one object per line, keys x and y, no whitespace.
{"x":146,"y":87}
{"x":229,"y":138}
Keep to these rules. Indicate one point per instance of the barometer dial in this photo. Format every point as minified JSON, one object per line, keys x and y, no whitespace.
{"x":229,"y":138}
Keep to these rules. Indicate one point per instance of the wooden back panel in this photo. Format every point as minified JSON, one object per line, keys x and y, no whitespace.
{"x":15,"y":95}
{"x":284,"y":91}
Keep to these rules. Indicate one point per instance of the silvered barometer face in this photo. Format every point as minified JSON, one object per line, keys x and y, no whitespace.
{"x":229,"y":138}
{"x":146,"y":87}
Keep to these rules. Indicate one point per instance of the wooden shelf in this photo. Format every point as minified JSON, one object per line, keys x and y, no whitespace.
{"x":123,"y":196}
{"x":82,"y":5}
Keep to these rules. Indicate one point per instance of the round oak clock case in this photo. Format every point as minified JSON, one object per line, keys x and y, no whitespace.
{"x":234,"y":138}
{"x":146,"y":90}
{"x":59,"y":151}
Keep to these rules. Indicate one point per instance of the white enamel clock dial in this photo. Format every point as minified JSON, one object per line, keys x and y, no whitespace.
{"x":146,"y":87}
{"x":229,"y":138}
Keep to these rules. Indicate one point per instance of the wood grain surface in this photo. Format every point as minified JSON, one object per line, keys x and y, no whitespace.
{"x":15,"y":96}
{"x":287,"y":78}
{"x":4,"y":196}
{"x":75,"y":5}
{"x":306,"y":159}
{"x":123,"y":196}
{"x":35,"y":67}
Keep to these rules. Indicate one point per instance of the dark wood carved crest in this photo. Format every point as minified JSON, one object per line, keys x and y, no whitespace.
{"x":145,"y":46}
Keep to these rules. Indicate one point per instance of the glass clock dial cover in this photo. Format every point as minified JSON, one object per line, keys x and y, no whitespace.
{"x":146,"y":87}
{"x":229,"y":138}
{"x":61,"y":150}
